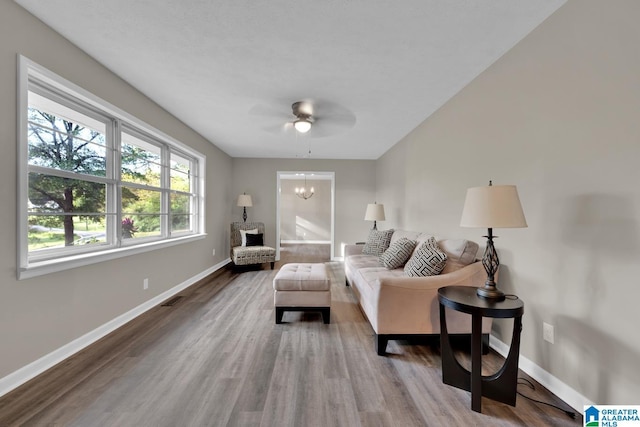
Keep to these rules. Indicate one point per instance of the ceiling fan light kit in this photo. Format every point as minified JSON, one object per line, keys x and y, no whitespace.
{"x":302,"y":125}
{"x":302,"y":111}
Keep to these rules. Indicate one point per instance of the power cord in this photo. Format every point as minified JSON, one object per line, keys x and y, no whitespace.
{"x":529,"y":384}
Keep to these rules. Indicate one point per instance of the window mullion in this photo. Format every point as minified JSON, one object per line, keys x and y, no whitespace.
{"x":195,"y":199}
{"x":114,"y":192}
{"x":165,"y":180}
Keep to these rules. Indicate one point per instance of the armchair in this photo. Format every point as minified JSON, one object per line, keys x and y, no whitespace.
{"x":247,"y":255}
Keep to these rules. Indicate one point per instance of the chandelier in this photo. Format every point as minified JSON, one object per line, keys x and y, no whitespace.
{"x":302,"y":192}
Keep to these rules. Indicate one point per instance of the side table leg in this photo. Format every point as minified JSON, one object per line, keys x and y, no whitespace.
{"x":476,"y":363}
{"x":453,"y":373}
{"x":502,"y":386}
{"x":446,"y":354}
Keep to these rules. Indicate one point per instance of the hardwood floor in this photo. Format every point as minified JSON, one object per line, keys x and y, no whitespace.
{"x":217,"y":358}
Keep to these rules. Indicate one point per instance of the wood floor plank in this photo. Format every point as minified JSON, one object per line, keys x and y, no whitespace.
{"x":217,"y":358}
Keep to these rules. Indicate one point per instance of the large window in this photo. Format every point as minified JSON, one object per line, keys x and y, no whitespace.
{"x":96,"y":183}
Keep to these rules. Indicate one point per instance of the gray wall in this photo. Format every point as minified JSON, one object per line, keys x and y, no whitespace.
{"x":40,"y":315}
{"x":558,"y":116}
{"x":354,"y":182}
{"x":305,"y":220}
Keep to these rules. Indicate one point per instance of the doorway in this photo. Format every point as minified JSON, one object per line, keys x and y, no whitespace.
{"x":305,"y":219}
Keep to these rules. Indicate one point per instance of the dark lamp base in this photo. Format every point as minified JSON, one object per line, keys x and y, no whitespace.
{"x":490,"y":292}
{"x":491,"y":263}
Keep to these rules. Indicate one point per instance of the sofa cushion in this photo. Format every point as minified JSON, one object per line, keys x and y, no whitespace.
{"x":399,"y":234}
{"x":429,"y":260}
{"x":372,"y":275}
{"x":398,"y":253}
{"x":357,"y":262}
{"x":377,"y":242}
{"x":460,"y":252}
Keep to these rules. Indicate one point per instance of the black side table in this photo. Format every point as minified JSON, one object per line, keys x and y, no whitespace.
{"x":500,"y":386}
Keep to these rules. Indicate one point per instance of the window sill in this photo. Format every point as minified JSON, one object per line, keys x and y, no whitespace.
{"x":41,"y":268}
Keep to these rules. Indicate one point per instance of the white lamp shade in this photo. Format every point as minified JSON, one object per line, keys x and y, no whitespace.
{"x":375,"y":212}
{"x":244,"y":200}
{"x":494,"y":206}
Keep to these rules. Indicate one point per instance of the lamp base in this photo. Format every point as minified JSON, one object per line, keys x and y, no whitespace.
{"x":491,"y":293}
{"x":491,"y":263}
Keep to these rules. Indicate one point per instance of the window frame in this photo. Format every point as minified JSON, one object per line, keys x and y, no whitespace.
{"x":117,"y":121}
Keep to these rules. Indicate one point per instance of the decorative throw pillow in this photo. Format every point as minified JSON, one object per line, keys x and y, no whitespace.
{"x":377,"y":242}
{"x":398,"y":253}
{"x":255,"y":239}
{"x":243,"y":235}
{"x":429,"y":260}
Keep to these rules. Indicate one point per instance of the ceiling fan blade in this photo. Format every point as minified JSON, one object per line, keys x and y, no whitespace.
{"x":278,"y":129}
{"x":344,"y":120}
{"x":324,"y":108}
{"x":269,"y":111}
{"x":324,"y":128}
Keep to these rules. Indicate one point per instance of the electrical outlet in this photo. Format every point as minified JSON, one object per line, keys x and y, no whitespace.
{"x":214,"y":252}
{"x":145,"y":284}
{"x":547,"y":332}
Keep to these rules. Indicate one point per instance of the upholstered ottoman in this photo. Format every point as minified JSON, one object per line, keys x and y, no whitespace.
{"x":302,"y":287}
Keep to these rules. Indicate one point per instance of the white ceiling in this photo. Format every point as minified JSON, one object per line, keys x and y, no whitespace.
{"x":224,"y":67}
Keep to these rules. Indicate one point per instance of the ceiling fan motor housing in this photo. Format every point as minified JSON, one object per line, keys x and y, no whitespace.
{"x":302,"y":110}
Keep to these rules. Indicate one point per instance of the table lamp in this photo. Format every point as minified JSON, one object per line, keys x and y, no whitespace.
{"x":494,"y":206}
{"x":244,"y":201}
{"x":375,"y":212}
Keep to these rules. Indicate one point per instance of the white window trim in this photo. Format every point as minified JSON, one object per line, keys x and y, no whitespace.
{"x":26,"y":269}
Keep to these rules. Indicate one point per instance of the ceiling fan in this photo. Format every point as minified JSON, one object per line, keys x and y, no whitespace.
{"x":317,"y":118}
{"x":304,"y":116}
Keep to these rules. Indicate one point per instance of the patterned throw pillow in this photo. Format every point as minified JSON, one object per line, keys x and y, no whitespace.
{"x":398,"y":253}
{"x":377,"y":242}
{"x":429,"y":260}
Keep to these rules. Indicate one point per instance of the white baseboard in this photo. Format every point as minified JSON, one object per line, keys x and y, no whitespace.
{"x":24,"y":374}
{"x":307,"y":242}
{"x":553,"y":384}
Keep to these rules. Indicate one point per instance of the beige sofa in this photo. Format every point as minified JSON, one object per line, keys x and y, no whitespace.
{"x":402,"y":307}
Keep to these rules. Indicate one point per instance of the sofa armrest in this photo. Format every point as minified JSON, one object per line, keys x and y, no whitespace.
{"x":352,"y":250}
{"x":411,"y":303}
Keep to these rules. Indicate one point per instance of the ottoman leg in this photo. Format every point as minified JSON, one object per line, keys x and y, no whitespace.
{"x":326,"y":315}
{"x":279,"y":313}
